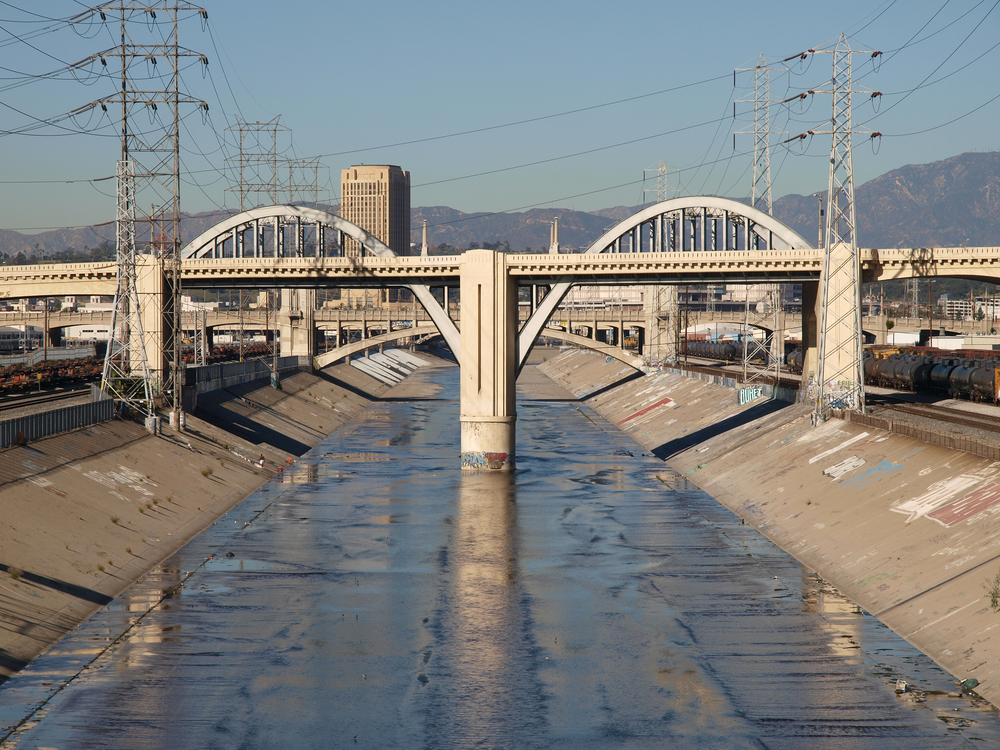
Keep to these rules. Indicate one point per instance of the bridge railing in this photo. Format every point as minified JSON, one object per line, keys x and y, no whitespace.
{"x":45,"y":424}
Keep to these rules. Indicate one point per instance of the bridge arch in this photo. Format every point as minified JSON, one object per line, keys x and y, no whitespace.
{"x":423,"y":329}
{"x":300,"y":231}
{"x":703,"y":223}
{"x":328,"y":358}
{"x":282,"y":231}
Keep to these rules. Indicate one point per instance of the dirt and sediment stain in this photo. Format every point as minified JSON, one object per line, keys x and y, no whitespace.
{"x":907,"y":530}
{"x":85,"y":514}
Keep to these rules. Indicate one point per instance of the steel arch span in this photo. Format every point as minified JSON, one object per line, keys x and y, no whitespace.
{"x":704,"y":223}
{"x":299,"y":231}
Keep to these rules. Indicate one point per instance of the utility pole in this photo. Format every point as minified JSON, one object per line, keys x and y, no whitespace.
{"x":840,"y":369}
{"x":819,"y":223}
{"x":150,"y":158}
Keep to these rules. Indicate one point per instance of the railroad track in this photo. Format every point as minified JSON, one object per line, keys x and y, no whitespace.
{"x":734,"y":370}
{"x":949,"y":415}
{"x":17,"y":402}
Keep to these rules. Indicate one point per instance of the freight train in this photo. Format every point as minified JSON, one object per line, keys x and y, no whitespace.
{"x":729,"y":351}
{"x":972,"y":374}
{"x":50,"y":374}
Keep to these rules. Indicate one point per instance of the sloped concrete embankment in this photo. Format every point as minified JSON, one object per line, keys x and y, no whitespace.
{"x":85,"y":514}
{"x":907,"y":530}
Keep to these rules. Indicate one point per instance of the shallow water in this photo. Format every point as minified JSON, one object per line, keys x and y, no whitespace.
{"x":379,"y":597}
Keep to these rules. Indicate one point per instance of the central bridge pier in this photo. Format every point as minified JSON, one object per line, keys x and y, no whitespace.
{"x":488,"y":361}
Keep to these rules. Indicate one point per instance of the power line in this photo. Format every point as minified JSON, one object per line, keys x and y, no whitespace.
{"x":530,"y":119}
{"x":940,"y":65}
{"x":569,"y":156}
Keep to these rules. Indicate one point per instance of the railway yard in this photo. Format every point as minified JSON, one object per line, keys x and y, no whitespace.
{"x":965,"y":412}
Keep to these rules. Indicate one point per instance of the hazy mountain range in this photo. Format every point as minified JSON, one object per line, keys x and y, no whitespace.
{"x":947,"y":203}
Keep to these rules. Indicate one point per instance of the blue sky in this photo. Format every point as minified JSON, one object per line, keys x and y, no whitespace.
{"x":599,"y":93}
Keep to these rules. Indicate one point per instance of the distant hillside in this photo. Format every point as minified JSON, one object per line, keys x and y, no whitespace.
{"x":952,"y":202}
{"x":947,"y":203}
{"x":530,"y":229}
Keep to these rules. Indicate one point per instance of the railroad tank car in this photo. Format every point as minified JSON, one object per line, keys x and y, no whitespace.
{"x":941,"y":374}
{"x":968,"y":374}
{"x":710,"y":349}
{"x":794,"y":360}
{"x":984,"y":382}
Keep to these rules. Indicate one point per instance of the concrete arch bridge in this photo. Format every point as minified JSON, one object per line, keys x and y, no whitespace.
{"x":693,"y":240}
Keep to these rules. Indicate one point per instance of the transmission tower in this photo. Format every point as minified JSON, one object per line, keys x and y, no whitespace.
{"x":257,"y":170}
{"x":840,"y":367}
{"x":760,"y":189}
{"x":126,"y":369}
{"x":303,"y":180}
{"x":913,"y":287}
{"x":762,"y":308}
{"x":660,"y":299}
{"x":153,"y":152}
{"x":257,"y":163}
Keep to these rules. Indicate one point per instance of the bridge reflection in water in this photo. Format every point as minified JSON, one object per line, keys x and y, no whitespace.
{"x":381,"y":593}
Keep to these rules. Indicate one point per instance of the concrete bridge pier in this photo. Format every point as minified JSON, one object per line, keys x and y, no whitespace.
{"x":297,"y":322}
{"x":488,"y":361}
{"x":811,"y":300}
{"x":151,"y":284}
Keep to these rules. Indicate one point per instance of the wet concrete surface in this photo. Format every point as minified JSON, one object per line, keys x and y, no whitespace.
{"x":379,"y":597}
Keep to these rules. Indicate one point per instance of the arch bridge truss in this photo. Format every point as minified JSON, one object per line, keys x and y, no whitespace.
{"x":689,"y":224}
{"x":297,"y":232}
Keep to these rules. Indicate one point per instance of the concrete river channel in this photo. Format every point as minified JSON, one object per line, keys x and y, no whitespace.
{"x":377,"y":596}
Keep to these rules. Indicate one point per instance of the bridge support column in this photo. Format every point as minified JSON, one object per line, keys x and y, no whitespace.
{"x":810,"y":334}
{"x":660,"y":309}
{"x":298,"y":322}
{"x":152,"y":288}
{"x":488,"y":361}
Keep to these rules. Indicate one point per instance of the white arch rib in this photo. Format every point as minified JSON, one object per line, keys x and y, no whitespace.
{"x":778,"y":231}
{"x":306,"y":215}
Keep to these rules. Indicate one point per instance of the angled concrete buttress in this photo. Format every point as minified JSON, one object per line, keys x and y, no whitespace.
{"x":488,"y":361}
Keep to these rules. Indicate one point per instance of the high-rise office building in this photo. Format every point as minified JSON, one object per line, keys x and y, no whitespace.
{"x":377,"y":198}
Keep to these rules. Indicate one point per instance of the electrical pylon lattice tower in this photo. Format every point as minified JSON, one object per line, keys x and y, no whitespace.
{"x":303,"y":180}
{"x":661,"y":306}
{"x":154,"y":152}
{"x":762,"y":354}
{"x":257,"y":162}
{"x":840,"y":367}
{"x":760,"y":191}
{"x":126,"y":369}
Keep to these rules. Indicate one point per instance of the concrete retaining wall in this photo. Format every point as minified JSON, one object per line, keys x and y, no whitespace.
{"x":907,"y":529}
{"x":209,"y":378}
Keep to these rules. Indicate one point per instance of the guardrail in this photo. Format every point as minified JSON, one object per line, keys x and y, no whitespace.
{"x":45,"y":424}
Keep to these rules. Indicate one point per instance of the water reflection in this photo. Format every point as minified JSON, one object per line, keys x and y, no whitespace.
{"x":482,"y":675}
